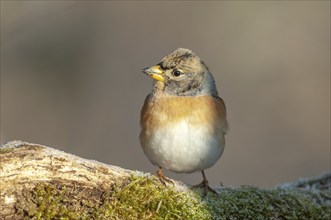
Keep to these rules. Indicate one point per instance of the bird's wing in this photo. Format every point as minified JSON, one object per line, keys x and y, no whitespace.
{"x":222,"y":104}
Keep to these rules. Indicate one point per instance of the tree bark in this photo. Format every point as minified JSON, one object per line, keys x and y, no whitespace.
{"x":39,"y":182}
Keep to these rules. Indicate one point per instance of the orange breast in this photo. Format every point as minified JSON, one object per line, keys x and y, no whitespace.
{"x":198,"y":111}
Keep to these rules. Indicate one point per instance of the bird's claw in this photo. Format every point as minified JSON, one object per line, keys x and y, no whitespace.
{"x":163,"y":179}
{"x":205,"y":187}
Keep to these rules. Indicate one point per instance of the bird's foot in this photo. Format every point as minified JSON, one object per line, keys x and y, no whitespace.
{"x":163,"y":179}
{"x":205,"y":187}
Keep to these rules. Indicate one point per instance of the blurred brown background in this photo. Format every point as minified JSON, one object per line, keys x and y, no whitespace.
{"x":71,"y":78}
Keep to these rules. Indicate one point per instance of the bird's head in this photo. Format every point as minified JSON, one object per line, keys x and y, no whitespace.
{"x":182,"y":73}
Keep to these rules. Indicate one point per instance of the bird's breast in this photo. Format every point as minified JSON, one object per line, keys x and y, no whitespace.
{"x":195,"y":110}
{"x":183,"y":134}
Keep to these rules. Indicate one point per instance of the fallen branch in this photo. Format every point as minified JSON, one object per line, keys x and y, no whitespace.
{"x":40,"y":182}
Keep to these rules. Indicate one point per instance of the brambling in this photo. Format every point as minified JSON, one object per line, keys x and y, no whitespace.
{"x":183,"y":120}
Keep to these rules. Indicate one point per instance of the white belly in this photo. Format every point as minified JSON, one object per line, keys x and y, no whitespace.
{"x":182,"y":147}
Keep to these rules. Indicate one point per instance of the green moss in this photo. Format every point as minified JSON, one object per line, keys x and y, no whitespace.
{"x":147,"y":198}
{"x":4,"y":150}
{"x":49,"y":202}
{"x":140,"y":198}
{"x":144,"y":197}
{"x":249,"y":202}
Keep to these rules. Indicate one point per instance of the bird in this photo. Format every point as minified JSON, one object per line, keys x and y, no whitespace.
{"x":183,"y":120}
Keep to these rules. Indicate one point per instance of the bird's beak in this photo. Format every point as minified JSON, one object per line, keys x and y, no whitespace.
{"x":155,"y":72}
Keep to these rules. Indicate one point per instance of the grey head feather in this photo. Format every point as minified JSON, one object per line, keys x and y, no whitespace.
{"x":196,"y":79}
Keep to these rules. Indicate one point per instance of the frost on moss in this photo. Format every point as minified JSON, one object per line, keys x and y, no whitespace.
{"x":249,"y":202}
{"x":143,"y":197}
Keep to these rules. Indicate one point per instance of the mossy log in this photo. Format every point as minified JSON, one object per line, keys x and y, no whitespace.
{"x":39,"y":182}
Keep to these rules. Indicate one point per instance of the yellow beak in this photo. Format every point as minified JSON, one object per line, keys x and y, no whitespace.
{"x":155,"y":72}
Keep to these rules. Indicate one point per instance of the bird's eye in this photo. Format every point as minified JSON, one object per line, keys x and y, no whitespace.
{"x":176,"y":73}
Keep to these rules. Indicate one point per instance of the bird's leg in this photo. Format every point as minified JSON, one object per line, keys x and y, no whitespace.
{"x":204,"y":184}
{"x":162,"y":178}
